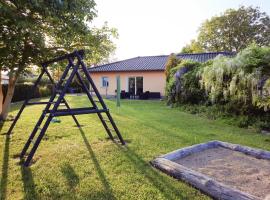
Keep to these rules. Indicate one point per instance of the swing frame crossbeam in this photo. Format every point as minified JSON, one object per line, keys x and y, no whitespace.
{"x":59,"y":91}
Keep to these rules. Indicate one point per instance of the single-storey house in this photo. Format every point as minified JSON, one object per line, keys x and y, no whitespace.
{"x":140,"y":74}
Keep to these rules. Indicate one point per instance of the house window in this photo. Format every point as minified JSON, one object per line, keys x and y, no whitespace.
{"x":105,"y":81}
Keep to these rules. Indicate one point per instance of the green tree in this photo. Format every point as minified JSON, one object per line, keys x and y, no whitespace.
{"x":193,"y":47}
{"x":34,"y":30}
{"x":234,"y":30}
{"x":171,"y":63}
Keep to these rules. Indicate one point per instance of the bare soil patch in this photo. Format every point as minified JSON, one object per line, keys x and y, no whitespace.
{"x":232,"y":168}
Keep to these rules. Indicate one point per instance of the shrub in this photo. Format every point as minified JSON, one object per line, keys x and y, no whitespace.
{"x":22,"y":91}
{"x":44,"y":91}
{"x":244,"y":78}
{"x":170,"y":64}
{"x":237,"y":88}
{"x":31,"y":80}
{"x":183,"y":85}
{"x":170,"y":91}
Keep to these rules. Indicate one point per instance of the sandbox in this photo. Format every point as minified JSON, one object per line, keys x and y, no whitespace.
{"x":222,"y":170}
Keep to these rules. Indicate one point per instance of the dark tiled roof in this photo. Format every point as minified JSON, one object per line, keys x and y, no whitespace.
{"x":146,"y":63}
{"x":152,"y":63}
{"x":203,"y":57}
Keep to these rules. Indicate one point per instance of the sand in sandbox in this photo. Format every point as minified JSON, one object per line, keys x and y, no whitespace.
{"x":232,"y":168}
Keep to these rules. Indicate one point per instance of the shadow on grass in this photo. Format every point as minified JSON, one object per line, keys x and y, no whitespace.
{"x":28,"y":183}
{"x":70,"y":175}
{"x":4,"y":178}
{"x":169,"y":133}
{"x":106,"y":184}
{"x":1,"y":127}
{"x":167,"y":189}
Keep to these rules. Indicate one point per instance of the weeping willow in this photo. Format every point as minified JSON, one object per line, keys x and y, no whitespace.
{"x":244,"y":78}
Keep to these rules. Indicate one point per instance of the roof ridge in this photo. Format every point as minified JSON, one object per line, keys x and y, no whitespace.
{"x":202,"y":53}
{"x":151,"y":56}
{"x":125,"y":60}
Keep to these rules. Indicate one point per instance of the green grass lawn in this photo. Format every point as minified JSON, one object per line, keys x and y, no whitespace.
{"x":83,"y":164}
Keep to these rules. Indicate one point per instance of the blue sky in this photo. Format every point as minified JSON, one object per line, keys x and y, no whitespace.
{"x":157,"y":27}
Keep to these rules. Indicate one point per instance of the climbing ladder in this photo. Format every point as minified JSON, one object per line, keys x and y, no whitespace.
{"x":75,"y":63}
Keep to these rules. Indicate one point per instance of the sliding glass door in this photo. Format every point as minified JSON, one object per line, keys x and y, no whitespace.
{"x":139,"y":85}
{"x":135,"y":85}
{"x":131,"y":85}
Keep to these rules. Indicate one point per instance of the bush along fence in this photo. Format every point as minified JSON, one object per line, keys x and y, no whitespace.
{"x":23,"y":90}
{"x":24,"y":87}
{"x":236,"y":87}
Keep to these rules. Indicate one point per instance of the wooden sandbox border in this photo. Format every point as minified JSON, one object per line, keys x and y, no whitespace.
{"x":200,"y":181}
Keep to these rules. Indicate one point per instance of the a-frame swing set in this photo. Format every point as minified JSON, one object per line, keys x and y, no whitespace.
{"x":74,"y":66}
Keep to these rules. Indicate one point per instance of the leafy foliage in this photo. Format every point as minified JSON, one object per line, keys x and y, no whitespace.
{"x":33,"y":31}
{"x":193,"y":47}
{"x":236,"y":86}
{"x":233,"y":30}
{"x":185,"y":85}
{"x":171,"y":63}
{"x":244,"y":78}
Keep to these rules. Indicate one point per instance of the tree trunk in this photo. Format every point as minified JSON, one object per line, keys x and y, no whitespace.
{"x":1,"y":94}
{"x":8,"y":98}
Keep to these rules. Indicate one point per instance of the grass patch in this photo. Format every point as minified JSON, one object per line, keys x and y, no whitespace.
{"x":77,"y":163}
{"x":225,"y":113}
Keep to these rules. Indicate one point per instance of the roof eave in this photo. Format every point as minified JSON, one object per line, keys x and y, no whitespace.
{"x":154,"y":70}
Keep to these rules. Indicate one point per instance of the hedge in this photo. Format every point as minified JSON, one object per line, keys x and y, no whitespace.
{"x":23,"y":90}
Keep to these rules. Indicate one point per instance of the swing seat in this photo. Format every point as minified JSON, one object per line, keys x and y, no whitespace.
{"x":55,"y":120}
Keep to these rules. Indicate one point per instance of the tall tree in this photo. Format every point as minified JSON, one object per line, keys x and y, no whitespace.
{"x":172,"y":62}
{"x":193,"y":47}
{"x":33,"y":30}
{"x":233,"y":30}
